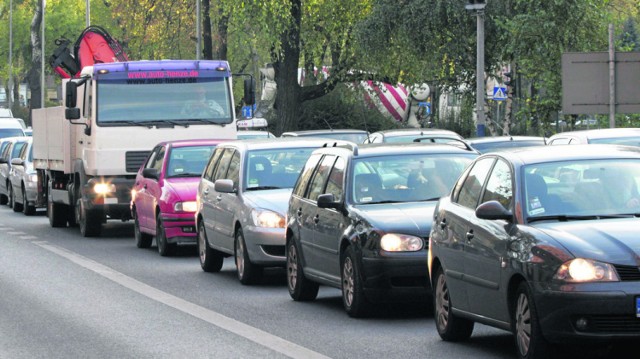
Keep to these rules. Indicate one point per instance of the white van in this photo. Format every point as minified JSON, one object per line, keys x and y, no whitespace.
{"x":10,"y":127}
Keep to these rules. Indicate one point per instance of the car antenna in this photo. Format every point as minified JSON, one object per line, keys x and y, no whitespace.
{"x":327,"y":122}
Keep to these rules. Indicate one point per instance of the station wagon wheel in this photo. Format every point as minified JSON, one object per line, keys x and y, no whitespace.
{"x":301,"y":289}
{"x":450,"y":327}
{"x":526,"y":326}
{"x":17,"y":207}
{"x":165,"y":248}
{"x":4,"y":199}
{"x":210,"y":259}
{"x":353,"y":298}
{"x":143,"y":240}
{"x":248,"y":273}
{"x":10,"y":195}
{"x":26,"y":208}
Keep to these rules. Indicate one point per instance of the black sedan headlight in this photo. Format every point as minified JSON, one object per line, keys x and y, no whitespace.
{"x":580,"y":270}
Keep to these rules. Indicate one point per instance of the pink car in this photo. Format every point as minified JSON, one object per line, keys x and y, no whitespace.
{"x":164,"y":195}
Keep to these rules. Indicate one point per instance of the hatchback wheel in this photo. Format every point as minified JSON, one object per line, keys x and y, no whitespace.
{"x":353,"y":298}
{"x":300,"y":288}
{"x":449,"y":326}
{"x":143,"y":240}
{"x":26,"y":208}
{"x":526,"y":326}
{"x":211,"y":260}
{"x":17,"y":207}
{"x":165,"y":248}
{"x":248,"y":273}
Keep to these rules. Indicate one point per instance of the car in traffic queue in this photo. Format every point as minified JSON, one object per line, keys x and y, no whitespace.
{"x":252,"y":134}
{"x":543,"y":244}
{"x":357,"y":221}
{"x":615,"y":136}
{"x":11,"y":147}
{"x":24,"y":181}
{"x":242,"y":201}
{"x":163,"y":198}
{"x":501,"y":143}
{"x":344,"y":134}
{"x":411,"y":135}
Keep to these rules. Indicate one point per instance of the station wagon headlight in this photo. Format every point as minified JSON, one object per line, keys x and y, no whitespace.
{"x":393,"y":242}
{"x":580,"y":270}
{"x":267,"y":219}
{"x":189,"y":206}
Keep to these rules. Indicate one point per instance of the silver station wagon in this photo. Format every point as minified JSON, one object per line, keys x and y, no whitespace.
{"x":242,"y":201}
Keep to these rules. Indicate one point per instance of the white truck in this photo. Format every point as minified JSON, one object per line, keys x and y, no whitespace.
{"x":88,"y":152}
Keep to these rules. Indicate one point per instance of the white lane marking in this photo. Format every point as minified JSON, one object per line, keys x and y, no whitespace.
{"x":256,"y":335}
{"x":16,"y":233}
{"x":28,"y":237}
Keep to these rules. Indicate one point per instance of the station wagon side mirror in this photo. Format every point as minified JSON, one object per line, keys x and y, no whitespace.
{"x":3,"y":160}
{"x":493,"y":210}
{"x":327,"y":201}
{"x":150,"y":173}
{"x":17,"y":162}
{"x":224,"y":186}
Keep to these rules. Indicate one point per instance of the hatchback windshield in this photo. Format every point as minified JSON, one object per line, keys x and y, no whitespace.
{"x":276,"y":168}
{"x":188,"y":161}
{"x":406,"y":178}
{"x":582,"y":189}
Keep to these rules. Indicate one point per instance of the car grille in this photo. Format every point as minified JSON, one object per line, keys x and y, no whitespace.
{"x":614,"y":324}
{"x":134,"y":160}
{"x":627,"y":273}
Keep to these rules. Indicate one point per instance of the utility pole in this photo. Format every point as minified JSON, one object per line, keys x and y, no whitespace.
{"x":43,"y":87}
{"x":612,"y":79}
{"x":10,"y":80}
{"x":88,"y":13}
{"x":198,"y":31}
{"x":477,"y":6}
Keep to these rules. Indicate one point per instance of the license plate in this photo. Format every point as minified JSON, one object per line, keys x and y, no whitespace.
{"x":110,"y":200}
{"x":637,"y":307}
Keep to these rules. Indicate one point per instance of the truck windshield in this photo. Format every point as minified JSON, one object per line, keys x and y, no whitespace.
{"x":182,"y":101}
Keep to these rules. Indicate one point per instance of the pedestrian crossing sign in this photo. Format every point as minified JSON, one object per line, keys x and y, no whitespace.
{"x":499,"y":93}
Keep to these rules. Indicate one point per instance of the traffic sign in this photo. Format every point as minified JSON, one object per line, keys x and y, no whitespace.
{"x":499,"y":93}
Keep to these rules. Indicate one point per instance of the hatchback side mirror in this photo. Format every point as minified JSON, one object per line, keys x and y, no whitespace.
{"x":493,"y":210}
{"x":150,"y":173}
{"x":327,"y":201}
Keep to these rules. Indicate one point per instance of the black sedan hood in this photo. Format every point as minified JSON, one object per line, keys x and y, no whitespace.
{"x":412,"y":218}
{"x":607,"y":240}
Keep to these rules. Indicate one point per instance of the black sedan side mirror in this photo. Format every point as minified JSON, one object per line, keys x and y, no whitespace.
{"x":493,"y":210}
{"x":327,"y":201}
{"x":150,"y":173}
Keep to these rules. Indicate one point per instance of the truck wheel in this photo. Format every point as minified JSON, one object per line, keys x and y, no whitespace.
{"x":56,"y":213}
{"x":26,"y":208}
{"x":89,"y":220}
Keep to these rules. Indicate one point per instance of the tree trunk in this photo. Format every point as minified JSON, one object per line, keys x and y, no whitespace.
{"x":221,"y":36}
{"x":288,"y":92}
{"x":207,"y":50}
{"x":36,"y":58}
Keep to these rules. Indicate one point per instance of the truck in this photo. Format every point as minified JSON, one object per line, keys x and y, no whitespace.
{"x":87,"y":152}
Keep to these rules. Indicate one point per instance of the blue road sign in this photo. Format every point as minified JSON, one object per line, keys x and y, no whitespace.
{"x":427,"y":105}
{"x":247,"y":111}
{"x":499,"y":93}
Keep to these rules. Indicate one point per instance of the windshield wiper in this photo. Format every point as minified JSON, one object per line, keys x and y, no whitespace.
{"x":565,"y":218}
{"x":204,"y":120}
{"x":185,"y":175}
{"x":259,"y":188}
{"x":134,"y":123}
{"x":382,"y":202}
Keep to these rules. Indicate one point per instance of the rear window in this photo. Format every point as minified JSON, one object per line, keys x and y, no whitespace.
{"x":10,"y":132}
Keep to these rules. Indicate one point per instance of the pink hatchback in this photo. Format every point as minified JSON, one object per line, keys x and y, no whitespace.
{"x":163,"y":199}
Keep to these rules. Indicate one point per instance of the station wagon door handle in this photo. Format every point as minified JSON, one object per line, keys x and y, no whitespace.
{"x":219,"y":198}
{"x":443,"y":223}
{"x":470,"y":235}
{"x":206,"y":191}
{"x":299,"y":212}
{"x":316,"y":219}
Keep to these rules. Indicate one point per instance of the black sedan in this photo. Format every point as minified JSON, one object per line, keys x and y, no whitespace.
{"x":541,"y":243}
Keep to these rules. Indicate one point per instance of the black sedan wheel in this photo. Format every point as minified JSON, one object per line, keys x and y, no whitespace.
{"x":300,"y":288}
{"x":143,"y":240}
{"x":248,"y":273}
{"x":165,"y":248}
{"x":449,"y":326}
{"x":210,"y":259}
{"x":526,"y":327}
{"x":353,"y":298}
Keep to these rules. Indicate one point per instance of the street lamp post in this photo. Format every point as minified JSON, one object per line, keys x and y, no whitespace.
{"x":10,"y":80}
{"x":87,"y":19}
{"x":43,"y":88}
{"x":198,"y":31}
{"x":477,"y":6}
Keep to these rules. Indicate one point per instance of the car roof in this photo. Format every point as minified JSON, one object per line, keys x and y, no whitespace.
{"x":280,"y":142}
{"x":601,"y":133}
{"x":474,"y":140}
{"x":542,"y":154}
{"x":416,"y":131}
{"x":378,"y":149}
{"x":320,"y":132}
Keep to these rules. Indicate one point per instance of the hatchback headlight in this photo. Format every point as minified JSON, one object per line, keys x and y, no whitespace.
{"x":393,"y":242}
{"x":189,"y":206}
{"x":581,"y":270}
{"x":267,"y":219}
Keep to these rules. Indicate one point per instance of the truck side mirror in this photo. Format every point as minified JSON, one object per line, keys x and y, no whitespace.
{"x":71,"y":94}
{"x":72,"y":113}
{"x":249,"y":91}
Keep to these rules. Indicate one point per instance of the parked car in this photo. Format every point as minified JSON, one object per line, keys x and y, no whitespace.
{"x":542,"y":243}
{"x":356,"y":221}
{"x":242,"y":200}
{"x":11,"y":147}
{"x":23,"y":179}
{"x":356,"y":136}
{"x":410,"y":135}
{"x":164,"y":194}
{"x":251,"y":134}
{"x":500,"y":143}
{"x":617,"y":136}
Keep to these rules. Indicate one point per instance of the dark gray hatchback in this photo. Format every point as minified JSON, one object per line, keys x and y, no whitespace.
{"x":358,"y":220}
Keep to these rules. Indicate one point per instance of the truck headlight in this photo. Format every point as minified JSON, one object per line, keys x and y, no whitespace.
{"x":104,"y":188}
{"x":393,"y":242}
{"x":189,"y":206}
{"x":267,"y":219}
{"x":580,"y":270}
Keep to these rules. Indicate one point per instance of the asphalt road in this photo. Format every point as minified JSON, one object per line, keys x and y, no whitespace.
{"x":64,"y":296}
